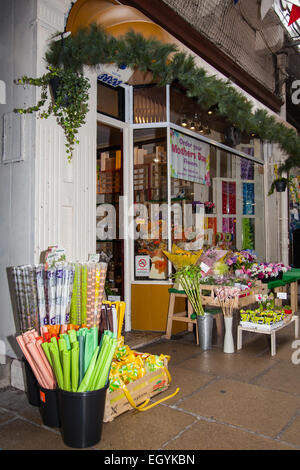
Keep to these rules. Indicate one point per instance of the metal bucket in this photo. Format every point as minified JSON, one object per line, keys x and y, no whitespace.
{"x":205,"y":325}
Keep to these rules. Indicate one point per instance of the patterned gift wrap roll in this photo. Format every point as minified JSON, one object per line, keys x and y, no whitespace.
{"x":58,"y":293}
{"x":83,"y":293}
{"x":19,"y":298}
{"x":70,"y":286}
{"x":76,"y":303}
{"x":51,"y":287}
{"x":40,"y":286}
{"x":97,"y":289}
{"x":103,"y":271}
{"x":33,"y":298}
{"x":91,"y":295}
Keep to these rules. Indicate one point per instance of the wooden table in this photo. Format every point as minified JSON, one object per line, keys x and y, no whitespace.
{"x":209,"y":299}
{"x":272,"y":332}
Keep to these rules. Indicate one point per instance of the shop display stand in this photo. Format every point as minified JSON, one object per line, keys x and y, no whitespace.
{"x":272,"y":332}
{"x":208,"y":299}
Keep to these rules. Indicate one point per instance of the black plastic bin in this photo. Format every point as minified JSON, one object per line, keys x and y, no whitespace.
{"x":49,"y":407}
{"x":82,"y":417}
{"x":32,"y":386}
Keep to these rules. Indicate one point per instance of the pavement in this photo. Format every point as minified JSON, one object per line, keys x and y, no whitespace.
{"x":247,"y":400}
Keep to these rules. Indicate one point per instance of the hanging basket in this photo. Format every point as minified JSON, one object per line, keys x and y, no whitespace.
{"x":54,"y":85}
{"x":280,"y":186}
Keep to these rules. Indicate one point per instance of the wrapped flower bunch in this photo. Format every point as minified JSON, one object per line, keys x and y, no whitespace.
{"x":268,"y":271}
{"x":241,"y":262}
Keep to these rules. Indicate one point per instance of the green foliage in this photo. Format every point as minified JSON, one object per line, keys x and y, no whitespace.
{"x":92,"y":45}
{"x":70,"y":106}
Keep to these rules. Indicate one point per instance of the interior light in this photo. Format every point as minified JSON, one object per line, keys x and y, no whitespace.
{"x":192,"y":126}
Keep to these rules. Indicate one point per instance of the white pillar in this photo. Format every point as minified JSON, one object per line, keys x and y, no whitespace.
{"x":65,"y":193}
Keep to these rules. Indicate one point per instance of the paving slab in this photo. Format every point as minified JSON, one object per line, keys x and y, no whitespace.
{"x":244,"y":405}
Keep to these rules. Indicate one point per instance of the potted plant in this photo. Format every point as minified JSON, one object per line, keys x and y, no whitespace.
{"x":287,"y":309}
{"x":281,"y":183}
{"x":209,"y":206}
{"x":189,"y":278}
{"x":68,"y":100}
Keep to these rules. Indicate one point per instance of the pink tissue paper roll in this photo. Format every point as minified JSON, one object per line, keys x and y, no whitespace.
{"x":30,"y":361}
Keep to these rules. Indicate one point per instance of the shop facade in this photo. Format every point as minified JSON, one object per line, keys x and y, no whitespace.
{"x":148,"y":160}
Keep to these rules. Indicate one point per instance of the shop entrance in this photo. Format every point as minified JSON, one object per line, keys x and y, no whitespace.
{"x":109,"y":219}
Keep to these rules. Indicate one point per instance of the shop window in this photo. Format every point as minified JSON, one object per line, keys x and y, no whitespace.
{"x":111,"y":101}
{"x":151,"y":208}
{"x":109,"y":188}
{"x":149,"y":104}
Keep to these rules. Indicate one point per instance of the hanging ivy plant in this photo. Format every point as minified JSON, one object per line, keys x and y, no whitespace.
{"x":68,"y":101}
{"x":92,"y":45}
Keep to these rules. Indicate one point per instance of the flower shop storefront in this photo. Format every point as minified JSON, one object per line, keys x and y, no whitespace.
{"x":187,"y":180}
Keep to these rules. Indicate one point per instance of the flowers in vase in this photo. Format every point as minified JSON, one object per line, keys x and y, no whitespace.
{"x":226,"y":297}
{"x":189,"y":278}
{"x":209,"y":205}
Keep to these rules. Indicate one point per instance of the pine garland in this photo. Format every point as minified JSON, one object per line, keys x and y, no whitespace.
{"x":92,"y":45}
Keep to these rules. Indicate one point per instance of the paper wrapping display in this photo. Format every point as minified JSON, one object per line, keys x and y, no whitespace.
{"x":42,"y":296}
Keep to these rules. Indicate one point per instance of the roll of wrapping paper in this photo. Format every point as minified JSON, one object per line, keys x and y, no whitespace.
{"x":83,"y":293}
{"x":66,"y":366}
{"x":75,"y":366}
{"x":40,"y":286}
{"x":51,"y":288}
{"x":75,"y":296}
{"x":27,"y":294}
{"x":35,"y":323}
{"x":83,"y":387}
{"x":97,"y":289}
{"x":91,"y":295}
{"x":56,"y":364}
{"x":81,"y":341}
{"x":58,"y":293}
{"x":64,"y":294}
{"x":89,"y":313}
{"x":70,"y":285}
{"x":23,"y":296}
{"x":20,"y":308}
{"x":103,"y":271}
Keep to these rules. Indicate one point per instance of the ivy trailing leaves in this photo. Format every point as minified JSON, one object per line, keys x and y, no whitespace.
{"x":70,"y":104}
{"x":92,"y":45}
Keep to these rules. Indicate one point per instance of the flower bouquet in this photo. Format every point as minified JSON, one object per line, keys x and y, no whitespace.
{"x":267,"y":272}
{"x":240,"y":262}
{"x":181,"y":259}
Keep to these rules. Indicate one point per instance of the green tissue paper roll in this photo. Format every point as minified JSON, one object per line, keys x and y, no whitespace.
{"x":102,"y":378}
{"x":45,"y":347}
{"x":56,"y":365}
{"x":75,"y":368}
{"x":81,"y":341}
{"x":84,"y":386}
{"x":103,"y":352}
{"x":72,"y":336}
{"x":67,"y":370}
{"x":66,"y":337}
{"x":62,"y":347}
{"x":88,"y":349}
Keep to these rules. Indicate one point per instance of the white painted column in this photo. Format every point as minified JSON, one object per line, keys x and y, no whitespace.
{"x":65,"y":193}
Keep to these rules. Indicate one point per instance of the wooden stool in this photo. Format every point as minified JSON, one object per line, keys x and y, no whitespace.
{"x":185,"y":316}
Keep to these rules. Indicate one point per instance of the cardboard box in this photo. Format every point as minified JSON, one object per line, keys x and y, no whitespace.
{"x":146,"y":387}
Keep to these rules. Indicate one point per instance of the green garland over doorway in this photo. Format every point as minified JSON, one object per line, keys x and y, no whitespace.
{"x":92,"y":45}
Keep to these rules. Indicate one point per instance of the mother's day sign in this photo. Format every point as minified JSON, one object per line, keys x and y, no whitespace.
{"x":189,"y":158}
